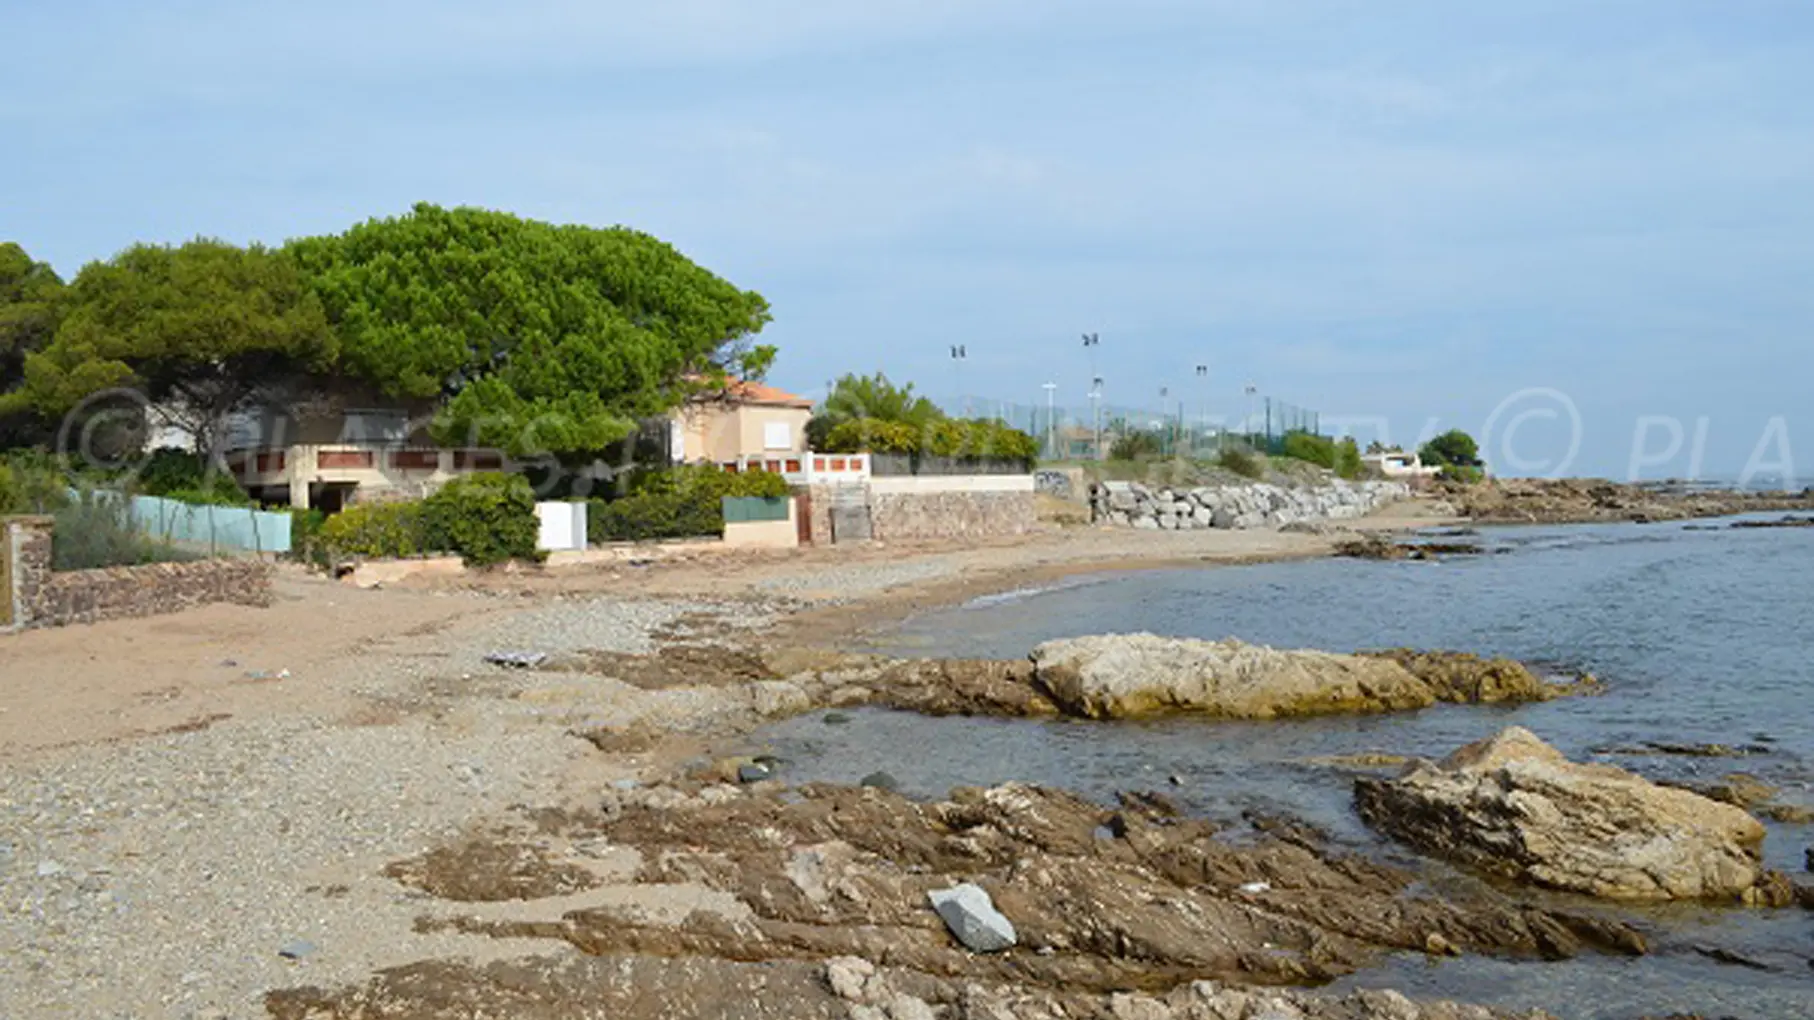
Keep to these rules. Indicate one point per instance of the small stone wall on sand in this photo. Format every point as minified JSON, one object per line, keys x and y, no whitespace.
{"x":1260,"y":505}
{"x":43,"y":597}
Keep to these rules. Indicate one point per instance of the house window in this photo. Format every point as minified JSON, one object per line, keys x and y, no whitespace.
{"x":777,"y":435}
{"x":374,"y":427}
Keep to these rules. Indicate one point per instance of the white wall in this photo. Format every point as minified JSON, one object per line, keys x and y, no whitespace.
{"x":563,"y":526}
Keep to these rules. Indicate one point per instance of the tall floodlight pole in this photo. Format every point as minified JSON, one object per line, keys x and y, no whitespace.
{"x":1051,"y":422}
{"x":1251,"y":390}
{"x":1203,"y":377}
{"x":958,"y":355}
{"x":1091,"y":341}
{"x":1096,"y":415}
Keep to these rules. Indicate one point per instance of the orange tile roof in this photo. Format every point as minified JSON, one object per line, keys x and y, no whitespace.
{"x":744,"y":392}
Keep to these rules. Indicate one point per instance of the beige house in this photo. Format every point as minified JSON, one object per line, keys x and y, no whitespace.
{"x":751,"y":420}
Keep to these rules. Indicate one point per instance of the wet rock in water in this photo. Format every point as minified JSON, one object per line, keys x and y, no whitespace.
{"x":1738,"y":789}
{"x":1789,"y":814}
{"x":835,"y":719}
{"x":973,"y":919}
{"x":1465,"y":678}
{"x":1121,"y":676}
{"x":880,"y":780}
{"x":1514,"y":806}
{"x":755,"y":772}
{"x":1650,"y":747}
{"x":1380,"y":547}
{"x":1781,"y":522}
{"x":1365,"y":761}
{"x":1808,"y":858}
{"x":943,"y":687}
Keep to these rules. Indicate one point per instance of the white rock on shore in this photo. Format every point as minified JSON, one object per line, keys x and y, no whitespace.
{"x":1120,"y":676}
{"x":972,"y":917}
{"x":1512,"y":805}
{"x":1259,"y":505}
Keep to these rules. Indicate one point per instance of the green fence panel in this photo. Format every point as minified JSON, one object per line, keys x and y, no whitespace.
{"x":745,"y":509}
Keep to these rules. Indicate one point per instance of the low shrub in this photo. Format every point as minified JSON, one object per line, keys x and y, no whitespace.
{"x":1467,"y":474}
{"x":1310,"y":448}
{"x":377,"y":531}
{"x":306,"y":543}
{"x":487,"y":518}
{"x":1348,"y":463}
{"x":182,"y":476}
{"x":1241,"y":462}
{"x":648,"y":516}
{"x":96,"y":529}
{"x":1139,"y":444}
{"x":32,"y":482}
{"x":685,"y":501}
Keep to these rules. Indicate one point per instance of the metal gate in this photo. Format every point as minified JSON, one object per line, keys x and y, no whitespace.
{"x":850,"y":514}
{"x":803,"y":517}
{"x":6,"y":575}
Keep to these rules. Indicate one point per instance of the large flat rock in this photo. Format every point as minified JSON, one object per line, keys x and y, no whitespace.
{"x":1514,"y":806}
{"x":1124,"y":676}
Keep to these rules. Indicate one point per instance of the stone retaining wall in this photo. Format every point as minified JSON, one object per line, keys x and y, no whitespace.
{"x":895,"y":516}
{"x":42,"y":597}
{"x":1260,"y":505}
{"x":925,"y":507}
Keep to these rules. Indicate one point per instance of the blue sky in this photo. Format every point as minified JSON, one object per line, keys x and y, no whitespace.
{"x":1405,"y":211}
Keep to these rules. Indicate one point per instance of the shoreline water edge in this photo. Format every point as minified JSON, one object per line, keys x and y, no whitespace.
{"x":399,"y":828}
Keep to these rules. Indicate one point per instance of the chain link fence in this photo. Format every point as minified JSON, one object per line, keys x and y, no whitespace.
{"x":1180,"y":428}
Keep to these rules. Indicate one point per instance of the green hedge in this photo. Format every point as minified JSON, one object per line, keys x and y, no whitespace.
{"x":485,"y":518}
{"x":1343,"y":456}
{"x":974,"y":438}
{"x":1242,"y":462}
{"x":182,"y":476}
{"x":685,"y":501}
{"x":378,"y":531}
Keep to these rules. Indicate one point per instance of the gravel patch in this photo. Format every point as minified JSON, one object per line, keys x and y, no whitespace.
{"x":185,"y":875}
{"x":838,"y":581}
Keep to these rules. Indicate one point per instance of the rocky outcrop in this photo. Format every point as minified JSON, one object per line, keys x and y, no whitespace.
{"x":1586,"y":500}
{"x":1101,"y":900}
{"x":1124,"y":676}
{"x":1515,"y":807}
{"x":1260,"y":505}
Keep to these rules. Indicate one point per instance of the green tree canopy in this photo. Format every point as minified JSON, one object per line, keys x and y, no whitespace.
{"x":872,"y":398}
{"x":203,"y":330}
{"x":1453,"y":448}
{"x":31,"y":295}
{"x":536,"y":337}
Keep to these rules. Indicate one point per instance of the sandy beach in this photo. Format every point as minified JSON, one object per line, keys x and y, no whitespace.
{"x":198,"y":809}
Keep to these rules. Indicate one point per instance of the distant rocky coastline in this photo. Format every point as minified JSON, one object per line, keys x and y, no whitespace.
{"x":1589,"y":501}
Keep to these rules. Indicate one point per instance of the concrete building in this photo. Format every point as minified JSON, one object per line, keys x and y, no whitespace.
{"x":332,"y":453}
{"x":1398,"y":464}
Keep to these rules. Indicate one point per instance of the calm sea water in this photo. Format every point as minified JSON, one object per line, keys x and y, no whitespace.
{"x":1700,"y":636}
